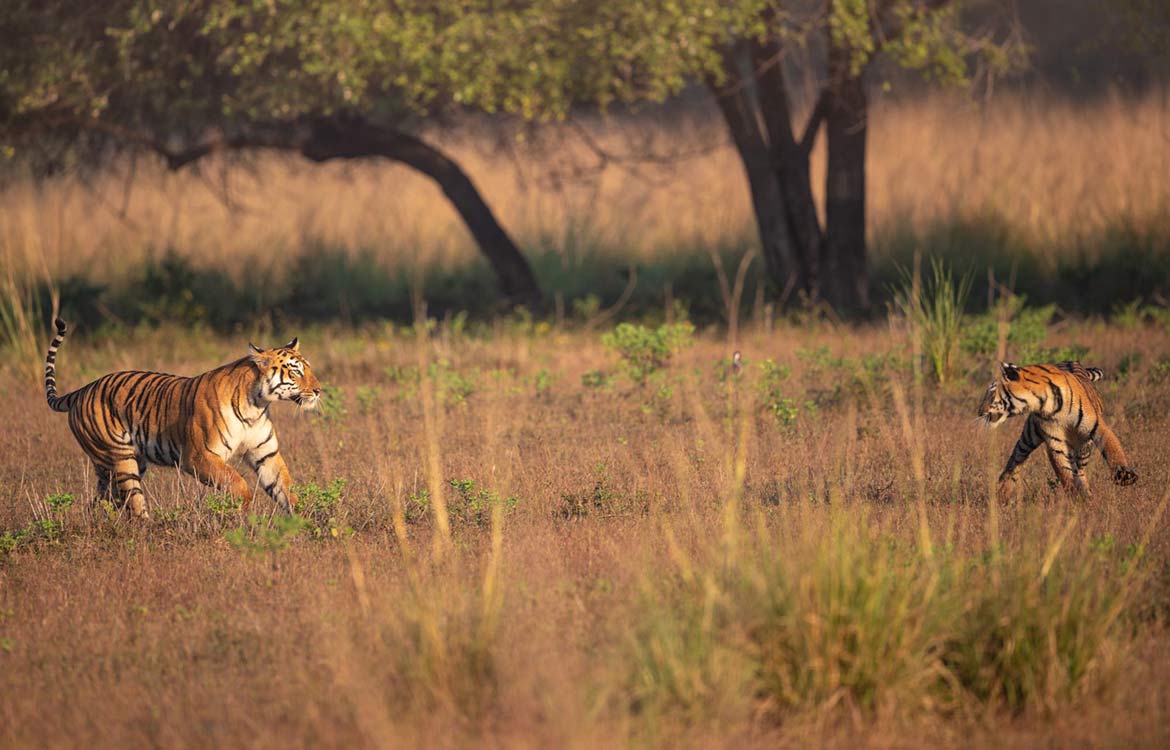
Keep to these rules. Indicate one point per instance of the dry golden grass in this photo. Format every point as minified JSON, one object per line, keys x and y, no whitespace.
{"x":1050,"y":171}
{"x":556,"y":630}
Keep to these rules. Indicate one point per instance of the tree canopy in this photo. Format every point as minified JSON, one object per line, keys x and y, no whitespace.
{"x":359,"y":78}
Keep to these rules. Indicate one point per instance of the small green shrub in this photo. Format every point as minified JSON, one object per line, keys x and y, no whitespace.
{"x":368,"y":397}
{"x":331,"y":405}
{"x":1027,"y":328}
{"x":321,"y":508}
{"x":644,"y":351}
{"x":10,"y":541}
{"x":596,"y":379}
{"x":1160,"y":370}
{"x":772,"y":393}
{"x":49,"y":529}
{"x":452,"y":387}
{"x":260,"y":536}
{"x":59,"y":502}
{"x":602,"y":501}
{"x":222,"y":504}
{"x":472,"y":505}
{"x":543,"y":380}
{"x":418,"y":506}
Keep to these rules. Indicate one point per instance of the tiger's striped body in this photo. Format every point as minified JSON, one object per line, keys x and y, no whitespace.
{"x":1065,"y":415}
{"x":127,"y":420}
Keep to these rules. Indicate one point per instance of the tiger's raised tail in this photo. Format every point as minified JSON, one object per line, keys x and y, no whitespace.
{"x":56,"y":403}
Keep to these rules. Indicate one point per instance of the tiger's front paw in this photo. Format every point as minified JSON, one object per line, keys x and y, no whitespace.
{"x":1007,"y":488}
{"x":1124,"y":476}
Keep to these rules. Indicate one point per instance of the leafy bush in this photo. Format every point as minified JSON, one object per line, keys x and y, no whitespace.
{"x":222,"y":504}
{"x":472,"y":505}
{"x":644,"y":351}
{"x":1027,"y":327}
{"x":452,"y":387}
{"x":469,"y":505}
{"x":59,"y":502}
{"x":320,"y":507}
{"x":772,"y":394}
{"x":260,"y":536}
{"x":595,"y":379}
{"x":331,"y":405}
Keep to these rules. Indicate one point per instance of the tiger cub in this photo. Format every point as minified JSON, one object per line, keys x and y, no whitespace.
{"x":1064,"y":413}
{"x":125,"y":420}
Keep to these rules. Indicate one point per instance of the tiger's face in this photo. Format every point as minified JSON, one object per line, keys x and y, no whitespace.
{"x":1001,"y":399}
{"x":285,"y":375}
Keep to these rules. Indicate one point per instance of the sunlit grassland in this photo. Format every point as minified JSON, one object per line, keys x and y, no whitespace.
{"x":573,"y":529}
{"x":638,"y":555}
{"x":1066,"y":201}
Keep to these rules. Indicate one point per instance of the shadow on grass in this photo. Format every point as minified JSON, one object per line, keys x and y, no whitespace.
{"x":1084,"y":276}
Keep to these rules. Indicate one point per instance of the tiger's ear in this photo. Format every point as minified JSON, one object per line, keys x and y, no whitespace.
{"x":1009,"y":371}
{"x":255,"y":353}
{"x":295,"y":345}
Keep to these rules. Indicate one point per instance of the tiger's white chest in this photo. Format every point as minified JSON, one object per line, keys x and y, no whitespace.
{"x":242,"y":435}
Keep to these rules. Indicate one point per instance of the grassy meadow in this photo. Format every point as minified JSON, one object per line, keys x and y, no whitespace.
{"x":581,"y":526}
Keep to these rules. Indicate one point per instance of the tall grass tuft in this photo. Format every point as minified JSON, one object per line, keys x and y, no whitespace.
{"x":845,"y":618}
{"x":934,"y":313}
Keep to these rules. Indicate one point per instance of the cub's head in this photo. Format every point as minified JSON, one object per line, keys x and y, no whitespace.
{"x":285,"y":375}
{"x":1006,"y":397}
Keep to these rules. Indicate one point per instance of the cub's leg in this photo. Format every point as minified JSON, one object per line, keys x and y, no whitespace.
{"x":1064,"y":466}
{"x":129,"y":484}
{"x":272,"y":472}
{"x":104,"y":477}
{"x":1081,"y":459}
{"x":1029,"y":441}
{"x":1114,"y":455}
{"x":214,"y":472}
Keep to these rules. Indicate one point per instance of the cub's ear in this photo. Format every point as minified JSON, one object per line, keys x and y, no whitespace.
{"x":1009,"y":371}
{"x":295,"y":345}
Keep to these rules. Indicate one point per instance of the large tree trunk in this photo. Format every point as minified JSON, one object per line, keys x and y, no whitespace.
{"x":351,"y":139}
{"x":781,"y":257}
{"x":845,"y":273}
{"x":789,"y":160}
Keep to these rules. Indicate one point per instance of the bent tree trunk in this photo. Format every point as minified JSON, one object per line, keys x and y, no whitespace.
{"x":342,"y":139}
{"x":329,"y":138}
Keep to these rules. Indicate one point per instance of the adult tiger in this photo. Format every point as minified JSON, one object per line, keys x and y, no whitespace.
{"x":1064,"y":413}
{"x":125,"y":420}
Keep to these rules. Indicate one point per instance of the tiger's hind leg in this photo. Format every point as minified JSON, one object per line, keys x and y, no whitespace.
{"x":129,"y":484}
{"x":1114,"y":455}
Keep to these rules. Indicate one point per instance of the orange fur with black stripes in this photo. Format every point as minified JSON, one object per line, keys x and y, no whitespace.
{"x":1065,"y":415}
{"x":126,"y":420}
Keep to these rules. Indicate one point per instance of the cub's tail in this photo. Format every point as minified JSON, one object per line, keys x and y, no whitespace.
{"x":1092,"y":374}
{"x":56,"y":403}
